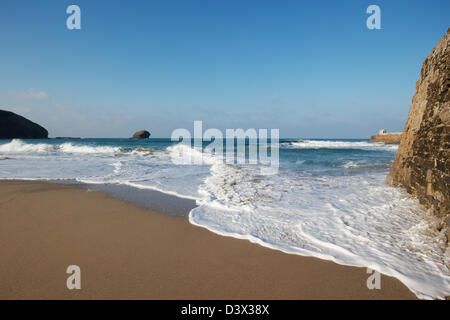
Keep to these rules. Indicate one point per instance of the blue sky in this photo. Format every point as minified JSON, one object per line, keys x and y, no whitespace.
{"x":309,"y":68}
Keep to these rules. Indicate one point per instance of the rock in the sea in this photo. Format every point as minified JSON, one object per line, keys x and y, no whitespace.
{"x":13,"y":126}
{"x":389,"y":138}
{"x":422,"y":163}
{"x":143,"y":134}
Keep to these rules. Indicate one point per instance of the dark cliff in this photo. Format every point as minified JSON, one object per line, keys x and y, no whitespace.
{"x":13,"y":126}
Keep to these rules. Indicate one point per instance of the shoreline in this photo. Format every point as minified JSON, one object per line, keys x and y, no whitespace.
{"x":129,"y":252}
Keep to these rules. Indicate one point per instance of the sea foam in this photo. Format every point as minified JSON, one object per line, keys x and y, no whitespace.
{"x":332,"y":144}
{"x":17,"y":146}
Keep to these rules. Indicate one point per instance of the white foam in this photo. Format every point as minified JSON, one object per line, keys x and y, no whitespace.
{"x":71,"y":148}
{"x":351,"y":220}
{"x":327,"y":144}
{"x":351,"y":164}
{"x":182,"y":154}
{"x":18,"y":146}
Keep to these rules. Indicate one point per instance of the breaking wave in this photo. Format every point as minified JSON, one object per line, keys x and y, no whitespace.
{"x":333,"y":144}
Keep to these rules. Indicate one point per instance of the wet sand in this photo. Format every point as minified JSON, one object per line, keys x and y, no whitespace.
{"x":126,"y":251}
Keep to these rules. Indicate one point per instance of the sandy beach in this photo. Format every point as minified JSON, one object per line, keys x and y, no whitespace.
{"x":129,"y":252}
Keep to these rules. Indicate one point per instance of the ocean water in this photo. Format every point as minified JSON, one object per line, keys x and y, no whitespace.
{"x":328,"y":200}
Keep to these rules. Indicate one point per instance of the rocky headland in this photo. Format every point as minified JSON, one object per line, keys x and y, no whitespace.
{"x":422,"y":162}
{"x":388,"y":138}
{"x":13,"y":126}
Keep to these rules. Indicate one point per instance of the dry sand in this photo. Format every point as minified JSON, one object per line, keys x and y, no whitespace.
{"x":128,"y":252}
